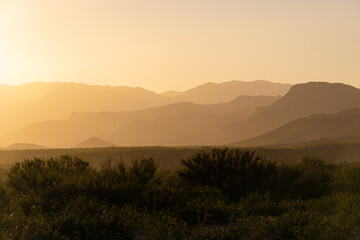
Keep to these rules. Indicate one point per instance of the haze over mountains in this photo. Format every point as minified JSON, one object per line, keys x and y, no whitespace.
{"x":81,"y":126}
{"x":318,"y":128}
{"x":224,"y":92}
{"x":302,"y":100}
{"x":29,"y":103}
{"x":23,"y":146}
{"x":35,"y":102}
{"x":95,"y":142}
{"x":170,"y":121}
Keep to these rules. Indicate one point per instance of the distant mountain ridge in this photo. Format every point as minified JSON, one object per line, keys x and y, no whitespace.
{"x":24,"y":146}
{"x":302,"y":100}
{"x":81,"y":126}
{"x":186,"y":123}
{"x":94,"y":142}
{"x":318,"y":128}
{"x":43,"y":101}
{"x":224,"y":92}
{"x":171,"y":93}
{"x":184,"y":128}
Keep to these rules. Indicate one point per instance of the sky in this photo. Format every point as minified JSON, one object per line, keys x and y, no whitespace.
{"x":162,"y":45}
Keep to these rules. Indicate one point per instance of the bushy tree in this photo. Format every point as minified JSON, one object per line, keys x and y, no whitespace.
{"x":223,"y":194}
{"x":232,"y":171}
{"x":309,"y":179}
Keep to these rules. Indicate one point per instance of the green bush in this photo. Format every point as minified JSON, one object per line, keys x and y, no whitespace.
{"x":234,"y":172}
{"x":350,"y":178}
{"x":224,"y":194}
{"x":309,"y":179}
{"x":159,"y":225}
{"x":120,"y":185}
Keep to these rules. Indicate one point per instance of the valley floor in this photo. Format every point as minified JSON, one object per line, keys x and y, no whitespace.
{"x":169,"y":158}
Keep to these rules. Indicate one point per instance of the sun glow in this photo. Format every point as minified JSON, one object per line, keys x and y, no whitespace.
{"x":166,"y":45}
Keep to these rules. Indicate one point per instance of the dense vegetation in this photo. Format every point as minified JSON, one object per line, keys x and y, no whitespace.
{"x":221,"y":194}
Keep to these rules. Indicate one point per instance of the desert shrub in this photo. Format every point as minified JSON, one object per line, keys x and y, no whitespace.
{"x":88,"y":219}
{"x":309,"y":179}
{"x":167,"y":191}
{"x":159,"y":225}
{"x":139,"y":177}
{"x":260,"y":204}
{"x":33,"y":176}
{"x":285,"y":226}
{"x":234,"y":172}
{"x":80,"y":219}
{"x":204,"y":206}
{"x":315,"y":178}
{"x":49,"y":184}
{"x":223,"y":194}
{"x":332,"y":217}
{"x":192,"y":204}
{"x":284,"y":182}
{"x":121,"y":185}
{"x":350,"y":178}
{"x":141,"y":172}
{"x":340,"y":216}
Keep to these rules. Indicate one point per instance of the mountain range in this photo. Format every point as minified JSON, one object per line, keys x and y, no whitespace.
{"x":81,"y":126}
{"x":33,"y":102}
{"x":306,"y":113}
{"x":40,"y":101}
{"x":95,"y":142}
{"x":318,"y":128}
{"x":302,"y":100}
{"x":23,"y":146}
{"x":224,"y":92}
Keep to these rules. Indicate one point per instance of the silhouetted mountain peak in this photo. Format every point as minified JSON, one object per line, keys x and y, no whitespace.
{"x":171,"y":93}
{"x":302,"y":100}
{"x":94,"y":142}
{"x":318,"y":89}
{"x":23,"y":146}
{"x":344,"y":125}
{"x":318,"y":97}
{"x":224,"y":92}
{"x":350,"y":111}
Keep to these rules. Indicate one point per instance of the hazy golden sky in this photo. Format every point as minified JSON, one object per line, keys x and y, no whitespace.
{"x":177,"y":44}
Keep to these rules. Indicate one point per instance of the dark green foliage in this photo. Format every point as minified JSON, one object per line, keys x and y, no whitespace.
{"x":224,"y":195}
{"x":350,"y":177}
{"x":64,"y":198}
{"x":309,"y":179}
{"x":50,"y":184}
{"x":234,"y":172}
{"x":87,"y":219}
{"x":33,"y":176}
{"x":160,"y":225}
{"x":124,"y":185}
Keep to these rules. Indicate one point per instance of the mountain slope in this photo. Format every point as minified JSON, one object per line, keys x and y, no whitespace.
{"x":185,"y":128}
{"x":80,"y":126}
{"x":33,"y":102}
{"x":316,"y":128}
{"x":43,"y":101}
{"x":94,"y":142}
{"x":224,"y":92}
{"x":24,"y":146}
{"x":301,"y":101}
{"x":171,"y":93}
